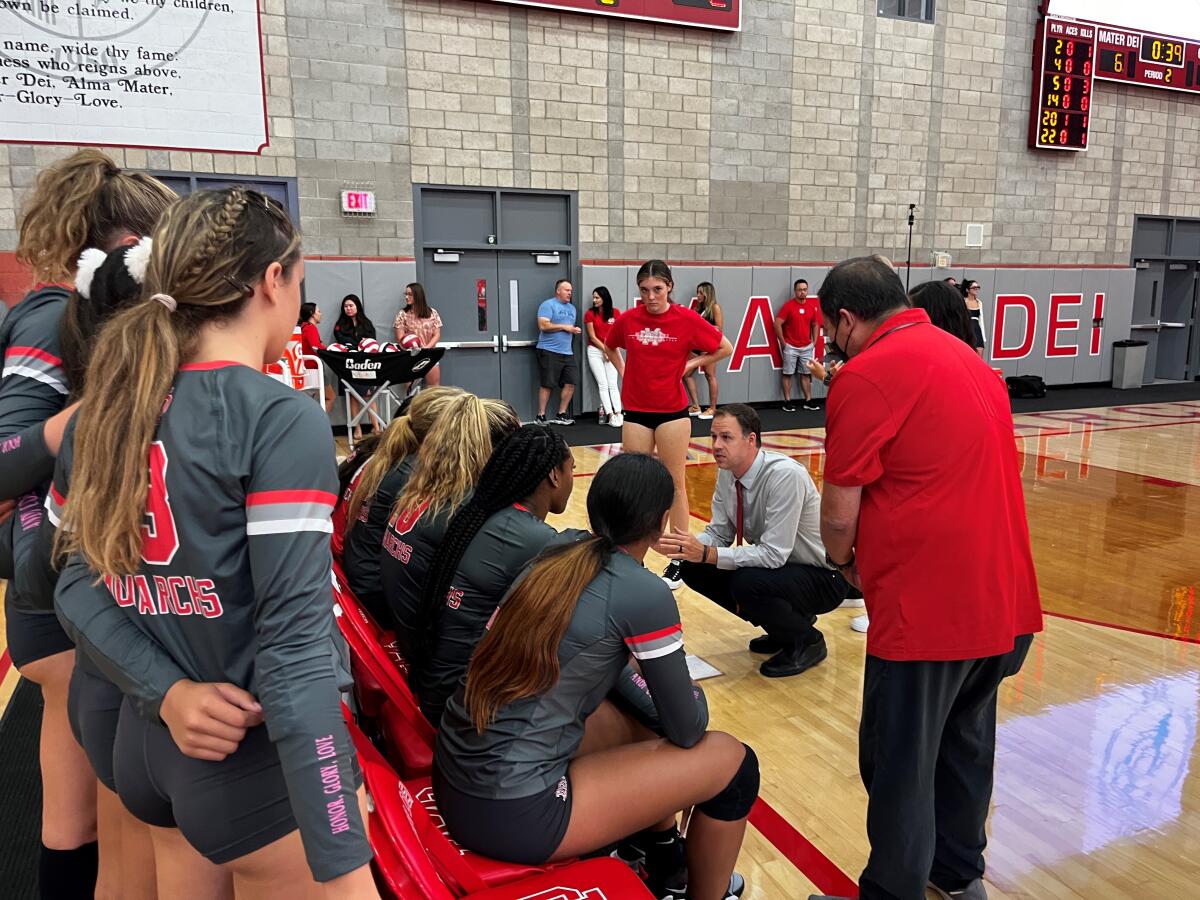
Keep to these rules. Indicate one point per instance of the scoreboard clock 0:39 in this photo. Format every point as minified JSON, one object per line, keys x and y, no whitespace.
{"x":1063,"y":78}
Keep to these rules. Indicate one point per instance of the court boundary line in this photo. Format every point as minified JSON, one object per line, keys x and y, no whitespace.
{"x":800,"y":851}
{"x":1131,"y":629}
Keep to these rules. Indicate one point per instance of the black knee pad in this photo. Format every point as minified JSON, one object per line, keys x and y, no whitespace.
{"x":738,"y":796}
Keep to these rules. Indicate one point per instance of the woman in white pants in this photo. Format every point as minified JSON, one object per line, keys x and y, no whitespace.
{"x":598,"y":320}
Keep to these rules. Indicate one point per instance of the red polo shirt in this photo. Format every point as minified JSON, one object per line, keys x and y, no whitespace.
{"x":925,"y":427}
{"x":656,"y":350}
{"x":798,"y":320}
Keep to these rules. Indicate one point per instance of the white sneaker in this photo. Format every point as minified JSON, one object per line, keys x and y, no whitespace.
{"x":860,"y":623}
{"x":852,"y":603}
{"x":616,"y":420}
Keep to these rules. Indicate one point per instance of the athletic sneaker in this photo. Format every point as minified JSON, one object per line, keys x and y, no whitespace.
{"x":789,"y":407}
{"x":540,"y":420}
{"x":861,"y":623}
{"x":811,"y":406}
{"x":616,"y":420}
{"x":564,"y":418}
{"x":693,"y":411}
{"x":673,"y":575}
{"x":852,"y":603}
{"x":737,"y":885}
{"x":707,"y":414}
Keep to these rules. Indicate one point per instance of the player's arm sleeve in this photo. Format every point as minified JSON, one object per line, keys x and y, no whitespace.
{"x":289,"y":501}
{"x":632,"y":695}
{"x":784,"y":499}
{"x":859,"y":425}
{"x":34,"y":385}
{"x":651,"y":630}
{"x":25,"y":461}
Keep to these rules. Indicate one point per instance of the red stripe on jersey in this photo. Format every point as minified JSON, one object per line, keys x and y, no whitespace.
{"x":262,"y":498}
{"x":653,"y":635}
{"x":58,"y":498}
{"x":208,"y":366}
{"x":35,"y":353}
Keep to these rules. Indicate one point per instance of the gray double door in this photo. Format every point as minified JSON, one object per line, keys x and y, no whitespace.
{"x":488,"y":260}
{"x":1165,"y":309}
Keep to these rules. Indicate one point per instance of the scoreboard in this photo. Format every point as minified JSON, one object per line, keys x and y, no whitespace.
{"x":1062,"y":85}
{"x":1070,"y":54}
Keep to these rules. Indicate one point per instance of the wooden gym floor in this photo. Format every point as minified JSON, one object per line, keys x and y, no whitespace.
{"x":1094,"y":796}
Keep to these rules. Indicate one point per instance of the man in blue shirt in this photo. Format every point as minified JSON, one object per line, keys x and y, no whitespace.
{"x":556,"y":321}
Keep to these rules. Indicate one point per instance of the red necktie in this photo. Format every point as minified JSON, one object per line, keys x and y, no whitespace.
{"x":740,"y":500}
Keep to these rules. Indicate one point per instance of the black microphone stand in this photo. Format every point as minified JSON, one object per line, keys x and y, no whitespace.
{"x":908,"y":265}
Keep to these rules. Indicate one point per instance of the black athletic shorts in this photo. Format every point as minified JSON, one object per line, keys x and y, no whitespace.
{"x":93,"y":706}
{"x":558,"y":369}
{"x":32,"y":634}
{"x":652,"y":420}
{"x":526,"y":831}
{"x":225,"y":809}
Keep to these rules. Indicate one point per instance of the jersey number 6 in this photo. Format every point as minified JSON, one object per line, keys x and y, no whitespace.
{"x":160,"y":540}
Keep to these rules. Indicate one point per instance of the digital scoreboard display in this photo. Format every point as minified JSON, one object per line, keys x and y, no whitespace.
{"x":1065,"y":64}
{"x":1149,"y":60}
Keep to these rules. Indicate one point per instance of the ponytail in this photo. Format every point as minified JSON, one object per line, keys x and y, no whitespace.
{"x":517,"y":467}
{"x":518,"y":657}
{"x":85,"y":200}
{"x":208,"y":251}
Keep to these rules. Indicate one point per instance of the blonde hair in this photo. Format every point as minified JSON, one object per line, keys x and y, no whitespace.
{"x":85,"y":201}
{"x":707,"y":292}
{"x":209,"y":250}
{"x":403,"y":436}
{"x":455,"y":452}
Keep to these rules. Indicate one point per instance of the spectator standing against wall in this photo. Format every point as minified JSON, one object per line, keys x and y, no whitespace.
{"x":556,"y":361}
{"x":598,"y":320}
{"x":970,"y":291}
{"x":941,"y":551}
{"x":706,"y":306}
{"x":796,"y":330}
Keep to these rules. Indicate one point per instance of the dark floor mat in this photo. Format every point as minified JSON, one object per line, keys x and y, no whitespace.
{"x":20,"y":793}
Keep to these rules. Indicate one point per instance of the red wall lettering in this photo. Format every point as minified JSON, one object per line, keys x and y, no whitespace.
{"x":758,"y":311}
{"x":1058,"y":323}
{"x":1097,"y":327}
{"x":1003,"y":302}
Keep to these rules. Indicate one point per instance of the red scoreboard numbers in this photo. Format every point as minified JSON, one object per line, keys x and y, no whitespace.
{"x":1062,"y":86}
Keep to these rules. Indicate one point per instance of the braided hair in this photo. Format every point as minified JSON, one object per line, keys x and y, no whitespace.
{"x":518,"y":465}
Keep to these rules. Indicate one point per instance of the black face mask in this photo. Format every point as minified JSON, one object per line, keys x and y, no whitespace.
{"x":837,"y":353}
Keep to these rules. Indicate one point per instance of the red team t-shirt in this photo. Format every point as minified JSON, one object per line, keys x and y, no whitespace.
{"x":798,"y":321}
{"x":943,"y":544}
{"x":656,"y":350}
{"x":310,"y":342}
{"x":599,"y":325}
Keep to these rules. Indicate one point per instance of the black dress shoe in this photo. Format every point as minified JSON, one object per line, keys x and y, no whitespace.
{"x":764,"y":643}
{"x":793,"y":662}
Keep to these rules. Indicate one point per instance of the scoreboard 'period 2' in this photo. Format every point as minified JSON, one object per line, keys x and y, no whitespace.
{"x":1063,"y":77}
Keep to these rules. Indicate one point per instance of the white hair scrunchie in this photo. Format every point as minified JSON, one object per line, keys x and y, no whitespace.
{"x":166,"y":300}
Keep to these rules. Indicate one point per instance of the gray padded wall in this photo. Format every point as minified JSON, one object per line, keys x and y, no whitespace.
{"x":383,"y":285}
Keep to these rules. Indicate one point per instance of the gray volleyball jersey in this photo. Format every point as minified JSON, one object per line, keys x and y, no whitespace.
{"x":235,"y":585}
{"x":505,"y":544}
{"x":625,"y":611}
{"x":409,"y":543}
{"x":364,"y":538}
{"x":33,"y":387}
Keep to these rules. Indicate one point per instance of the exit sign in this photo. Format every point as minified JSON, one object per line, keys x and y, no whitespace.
{"x":360,"y":203}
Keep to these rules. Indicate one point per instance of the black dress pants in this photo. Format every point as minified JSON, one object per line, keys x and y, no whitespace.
{"x":784,"y":602}
{"x":926,"y":746}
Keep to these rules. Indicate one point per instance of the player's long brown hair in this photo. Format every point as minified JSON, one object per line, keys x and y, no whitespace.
{"x":210,"y":250}
{"x":400,"y":439}
{"x":85,"y":200}
{"x":455,"y":452}
{"x":518,"y":657}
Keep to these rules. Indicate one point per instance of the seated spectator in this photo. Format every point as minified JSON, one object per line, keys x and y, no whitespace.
{"x":383,"y":477}
{"x":310,"y":343}
{"x":419,"y":319}
{"x":533,"y":764}
{"x":490,"y":540}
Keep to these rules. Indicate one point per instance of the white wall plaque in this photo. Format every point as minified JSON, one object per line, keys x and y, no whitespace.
{"x":170,"y":74}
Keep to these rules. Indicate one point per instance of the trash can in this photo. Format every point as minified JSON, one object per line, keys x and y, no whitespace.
{"x":1129,"y":364}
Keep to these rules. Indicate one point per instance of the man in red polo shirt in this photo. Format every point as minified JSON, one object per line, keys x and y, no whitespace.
{"x":923,"y":508}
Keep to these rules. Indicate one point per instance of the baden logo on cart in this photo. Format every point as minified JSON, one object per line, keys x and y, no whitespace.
{"x":363,"y":370}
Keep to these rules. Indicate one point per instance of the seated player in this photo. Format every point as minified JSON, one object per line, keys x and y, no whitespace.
{"x":489,"y":541}
{"x":382,"y":478}
{"x":534,"y":764}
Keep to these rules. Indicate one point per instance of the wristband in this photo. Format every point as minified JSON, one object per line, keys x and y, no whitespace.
{"x":704,"y":558}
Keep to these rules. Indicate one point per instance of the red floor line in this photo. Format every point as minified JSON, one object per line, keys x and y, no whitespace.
{"x":1057,"y":433}
{"x":801,"y":852}
{"x":5,"y":664}
{"x":1131,"y":629}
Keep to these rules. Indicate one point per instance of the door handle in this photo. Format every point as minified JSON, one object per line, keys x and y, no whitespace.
{"x":495,"y":344}
{"x":504,"y":342}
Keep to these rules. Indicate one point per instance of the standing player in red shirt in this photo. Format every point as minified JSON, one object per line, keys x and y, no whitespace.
{"x":941,"y":551}
{"x":658,"y":338}
{"x":796,"y":330}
